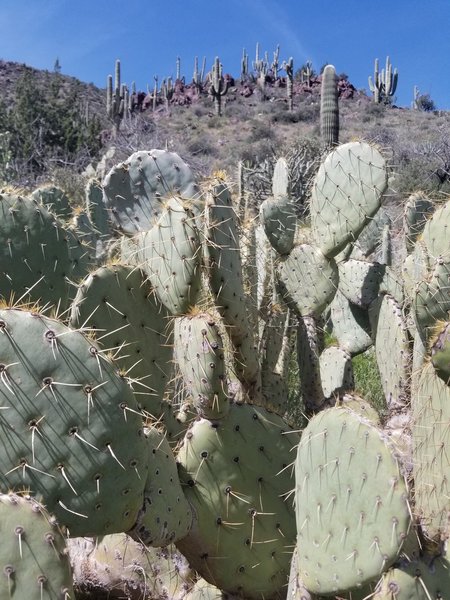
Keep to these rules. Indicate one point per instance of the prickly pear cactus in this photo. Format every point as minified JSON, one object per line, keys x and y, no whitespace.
{"x":35,"y":565}
{"x":72,"y":432}
{"x":347,"y":192}
{"x":55,"y":201}
{"x":165,"y":516}
{"x":224,"y":267}
{"x":35,"y":263}
{"x":136,"y":190}
{"x":351,"y":503}
{"x":431,"y":465}
{"x":440,"y":351}
{"x":307,"y":280}
{"x":278,"y":217}
{"x":200,"y":356}
{"x":418,"y":580}
{"x":392,"y":350}
{"x":119,"y":306}
{"x":235,"y":474}
{"x":351,"y":325}
{"x":336,"y":371}
{"x":170,"y":255}
{"x":115,"y":566}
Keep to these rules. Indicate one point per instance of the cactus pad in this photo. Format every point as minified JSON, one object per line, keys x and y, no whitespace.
{"x":351,"y":503}
{"x":35,"y":259}
{"x":165,"y":516}
{"x":135,"y":191}
{"x":351,"y":325}
{"x":71,"y":432}
{"x":392,"y":350}
{"x":307,"y":280}
{"x":347,"y":192}
{"x":235,"y":476}
{"x":55,"y":201}
{"x":34,"y":565}
{"x":336,"y":371}
{"x":200,"y":357}
{"x":120,"y":305}
{"x":431,"y":415}
{"x":170,"y":256}
{"x":278,"y":216}
{"x":440,"y":352}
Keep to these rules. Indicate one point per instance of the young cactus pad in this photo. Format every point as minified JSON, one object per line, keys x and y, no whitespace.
{"x":236,"y":476}
{"x":34,"y":562}
{"x":351,"y":503}
{"x":71,"y":430}
{"x":135,"y":191}
{"x":347,"y":191}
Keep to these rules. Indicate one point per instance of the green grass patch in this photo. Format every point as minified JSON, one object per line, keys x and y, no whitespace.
{"x":368,"y":382}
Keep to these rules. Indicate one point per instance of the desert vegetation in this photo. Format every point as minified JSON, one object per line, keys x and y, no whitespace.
{"x":224,"y":336}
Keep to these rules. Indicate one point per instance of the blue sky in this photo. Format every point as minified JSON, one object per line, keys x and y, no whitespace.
{"x":147,"y":35}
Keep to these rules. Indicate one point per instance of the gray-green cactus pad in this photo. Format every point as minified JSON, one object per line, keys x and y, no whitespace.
{"x":440,"y":352}
{"x":165,"y":516}
{"x":115,"y":566}
{"x":432,"y":295}
{"x":435,"y":234}
{"x":280,"y":178}
{"x":392,"y":350}
{"x":70,"y":429}
{"x":307,"y":280}
{"x":224,"y":267}
{"x":33,"y":559}
{"x":360,"y":281}
{"x":347,"y":192}
{"x":170,"y":256}
{"x":120,"y":306}
{"x":351,"y":325}
{"x":351,"y":503}
{"x":336,"y":371}
{"x":55,"y":201}
{"x":278,"y":216}
{"x":416,"y":211}
{"x":431,"y":438}
{"x":417,"y":580}
{"x":35,"y":262}
{"x":200,"y":357}
{"x":136,"y":190}
{"x":236,"y":475}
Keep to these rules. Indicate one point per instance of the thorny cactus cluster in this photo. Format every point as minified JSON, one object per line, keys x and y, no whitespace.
{"x":145,"y":347}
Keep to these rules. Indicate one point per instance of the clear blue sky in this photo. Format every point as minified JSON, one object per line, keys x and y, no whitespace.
{"x":147,"y":35}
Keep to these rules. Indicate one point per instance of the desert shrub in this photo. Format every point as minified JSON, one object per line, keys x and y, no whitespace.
{"x":260,"y":130}
{"x":201,"y":144}
{"x":425,"y":103}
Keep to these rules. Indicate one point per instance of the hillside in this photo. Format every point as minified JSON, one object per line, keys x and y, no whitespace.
{"x":256,"y":126}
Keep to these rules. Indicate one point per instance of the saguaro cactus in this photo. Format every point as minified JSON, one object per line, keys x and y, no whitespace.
{"x":219,"y":87}
{"x":384,"y":84}
{"x":329,"y":108}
